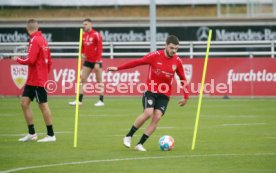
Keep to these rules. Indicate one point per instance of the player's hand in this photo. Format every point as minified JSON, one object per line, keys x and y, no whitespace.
{"x":182,"y":102}
{"x":83,"y":56}
{"x":111,"y":69}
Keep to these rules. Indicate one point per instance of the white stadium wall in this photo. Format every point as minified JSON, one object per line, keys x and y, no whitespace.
{"x":117,"y":2}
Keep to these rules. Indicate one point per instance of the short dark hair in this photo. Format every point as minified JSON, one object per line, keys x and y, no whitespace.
{"x":31,"y":21}
{"x":87,"y":20}
{"x":32,"y":24}
{"x":172,"y":39}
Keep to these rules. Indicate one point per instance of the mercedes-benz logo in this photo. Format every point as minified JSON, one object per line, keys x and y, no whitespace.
{"x":202,"y":33}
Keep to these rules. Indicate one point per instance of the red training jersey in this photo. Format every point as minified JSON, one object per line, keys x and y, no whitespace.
{"x":38,"y":60}
{"x":161,"y":72}
{"x":92,"y":46}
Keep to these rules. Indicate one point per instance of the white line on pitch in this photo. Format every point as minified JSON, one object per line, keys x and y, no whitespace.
{"x":165,"y":127}
{"x":8,"y":115}
{"x":143,"y":128}
{"x":118,"y":135}
{"x":61,"y":132}
{"x":246,"y":124}
{"x":110,"y":115}
{"x":135,"y":158}
{"x":271,"y":137}
{"x":231,"y":116}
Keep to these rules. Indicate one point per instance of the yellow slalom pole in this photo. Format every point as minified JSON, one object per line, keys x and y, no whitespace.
{"x":201,"y":88}
{"x":78,"y":91}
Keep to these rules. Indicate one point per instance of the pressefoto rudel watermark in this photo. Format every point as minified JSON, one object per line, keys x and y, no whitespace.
{"x":133,"y":87}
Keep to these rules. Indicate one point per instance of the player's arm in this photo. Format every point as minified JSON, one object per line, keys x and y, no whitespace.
{"x":99,"y":46}
{"x":183,"y":82}
{"x":49,"y":61}
{"x":32,"y":54}
{"x":141,"y":61}
{"x":83,"y":49}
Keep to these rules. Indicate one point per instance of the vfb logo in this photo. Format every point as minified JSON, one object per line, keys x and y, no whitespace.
{"x":19,"y":75}
{"x":188,"y":71}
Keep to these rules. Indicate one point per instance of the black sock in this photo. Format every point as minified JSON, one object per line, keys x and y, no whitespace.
{"x":80,"y":97}
{"x":101,"y":97}
{"x":31,"y":129}
{"x":50,"y":131}
{"x":132,"y":131}
{"x":143,"y":139}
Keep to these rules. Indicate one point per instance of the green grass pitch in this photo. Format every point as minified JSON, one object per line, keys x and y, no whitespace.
{"x":234,"y":136}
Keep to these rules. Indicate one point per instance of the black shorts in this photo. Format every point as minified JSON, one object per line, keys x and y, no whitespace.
{"x":156,"y":101}
{"x":35,"y":92}
{"x":92,"y":64}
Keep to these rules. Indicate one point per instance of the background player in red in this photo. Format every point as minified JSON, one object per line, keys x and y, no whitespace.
{"x":39,"y":64}
{"x":92,"y":53}
{"x":163,"y":65}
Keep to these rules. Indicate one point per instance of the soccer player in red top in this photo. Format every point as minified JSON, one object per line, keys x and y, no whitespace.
{"x":92,"y":53}
{"x":39,"y":64}
{"x":163,"y":65}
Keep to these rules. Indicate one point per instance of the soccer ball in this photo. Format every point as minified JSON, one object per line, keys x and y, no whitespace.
{"x":166,"y":143}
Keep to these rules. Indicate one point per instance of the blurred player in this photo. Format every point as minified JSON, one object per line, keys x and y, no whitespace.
{"x":39,"y":64}
{"x":92,"y":53}
{"x":163,"y":65}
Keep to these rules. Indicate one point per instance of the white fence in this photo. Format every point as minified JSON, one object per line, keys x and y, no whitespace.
{"x":137,"y":49}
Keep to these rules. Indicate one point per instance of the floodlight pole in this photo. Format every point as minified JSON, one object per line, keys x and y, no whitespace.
{"x":152,"y":25}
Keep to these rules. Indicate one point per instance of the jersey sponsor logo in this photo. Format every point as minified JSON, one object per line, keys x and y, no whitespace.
{"x":188,"y":71}
{"x":167,"y":74}
{"x":19,"y":75}
{"x":157,"y":71}
{"x":89,"y":41}
{"x":159,"y":63}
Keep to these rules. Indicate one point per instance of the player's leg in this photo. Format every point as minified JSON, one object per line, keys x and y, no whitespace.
{"x":86,"y":70}
{"x":25,"y":105}
{"x":98,"y":72}
{"x":154,"y":122}
{"x":85,"y":73}
{"x":27,"y":97}
{"x":46,"y":112}
{"x":148,"y":101}
{"x":159,"y":110}
{"x":140,"y":120}
{"x":149,"y":130}
{"x":41,"y":97}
